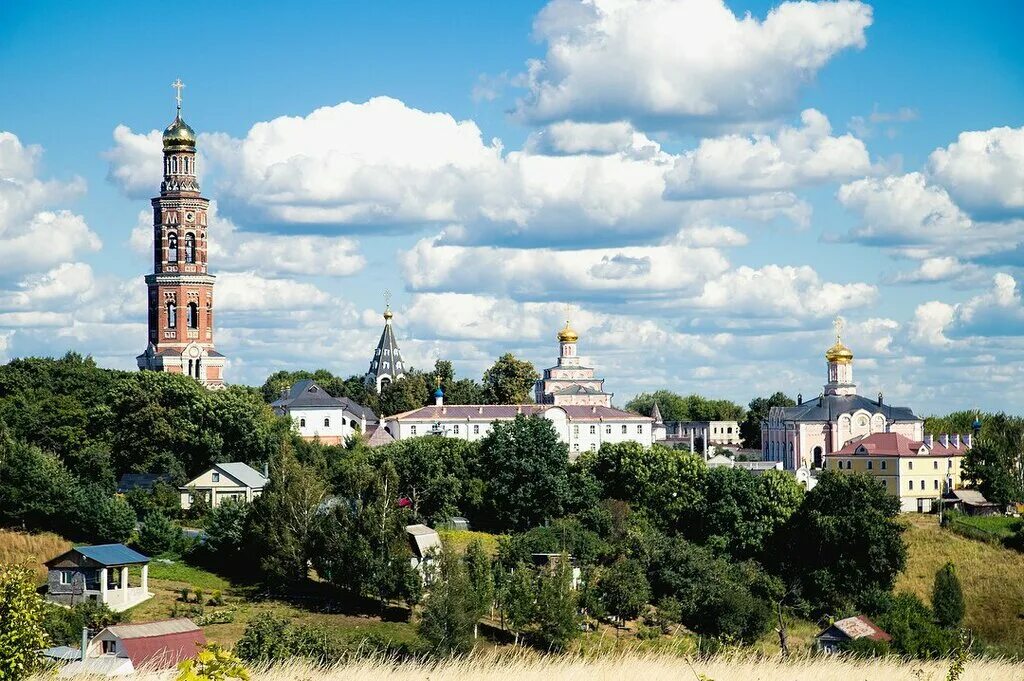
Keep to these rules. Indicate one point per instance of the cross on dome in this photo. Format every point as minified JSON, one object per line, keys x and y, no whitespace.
{"x":179,"y":86}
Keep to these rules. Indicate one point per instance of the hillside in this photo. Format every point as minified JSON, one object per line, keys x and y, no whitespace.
{"x":31,"y":549}
{"x":992,"y":577}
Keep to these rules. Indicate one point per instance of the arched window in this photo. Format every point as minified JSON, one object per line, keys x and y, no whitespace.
{"x":302,"y":423}
{"x":817,"y":457}
{"x":174,"y":164}
{"x":190,"y":247}
{"x":327,"y":423}
{"x":172,"y":315}
{"x":193,"y":316}
{"x":172,"y":247}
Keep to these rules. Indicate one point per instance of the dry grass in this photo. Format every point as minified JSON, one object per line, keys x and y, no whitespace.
{"x":528,"y":667}
{"x":992,"y":578}
{"x":32,"y":549}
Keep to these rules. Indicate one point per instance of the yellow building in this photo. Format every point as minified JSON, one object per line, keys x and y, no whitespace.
{"x":916,"y":472}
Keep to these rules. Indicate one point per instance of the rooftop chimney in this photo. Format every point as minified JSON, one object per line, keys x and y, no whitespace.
{"x":944,"y":440}
{"x":879,"y":398}
{"x":968,"y":440}
{"x":85,"y":643}
{"x":956,"y":440}
{"x":928,"y":440}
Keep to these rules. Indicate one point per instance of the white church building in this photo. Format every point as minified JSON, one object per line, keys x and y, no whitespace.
{"x":318,"y":415}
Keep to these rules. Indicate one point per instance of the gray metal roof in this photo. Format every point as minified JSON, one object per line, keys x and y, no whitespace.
{"x":387,"y":358}
{"x":147,"y":629}
{"x":829,"y":407}
{"x":424,"y":539}
{"x":307,"y":394}
{"x":243,"y":473}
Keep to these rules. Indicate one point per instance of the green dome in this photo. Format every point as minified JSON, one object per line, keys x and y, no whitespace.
{"x":178,"y":134}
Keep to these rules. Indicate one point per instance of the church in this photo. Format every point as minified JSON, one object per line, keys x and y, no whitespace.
{"x":801,"y":436}
{"x":568,"y":395}
{"x":180,"y":289}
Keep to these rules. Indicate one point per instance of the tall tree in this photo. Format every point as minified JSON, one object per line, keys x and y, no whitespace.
{"x":675,"y":407}
{"x":750,"y":428}
{"x":624,"y":589}
{"x":948,"y":597}
{"x":525,"y":466}
{"x":996,"y":459}
{"x":285,"y":519}
{"x":519,"y":599}
{"x":409,"y":392}
{"x":844,"y":543}
{"x":510,"y":381}
{"x":557,"y":616}
{"x":449,"y":614}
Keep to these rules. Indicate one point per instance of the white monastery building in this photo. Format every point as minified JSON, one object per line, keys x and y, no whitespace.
{"x":318,"y":415}
{"x":569,"y":395}
{"x":801,"y":436}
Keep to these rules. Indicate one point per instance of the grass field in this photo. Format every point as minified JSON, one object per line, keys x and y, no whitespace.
{"x":996,"y":527}
{"x":992,"y":578}
{"x":33,"y":549}
{"x":533,"y":667}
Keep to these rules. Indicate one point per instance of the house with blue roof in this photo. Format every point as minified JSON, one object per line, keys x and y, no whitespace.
{"x":112,"y":574}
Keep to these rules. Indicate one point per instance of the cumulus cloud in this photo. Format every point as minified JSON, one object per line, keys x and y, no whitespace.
{"x":995,"y":313}
{"x":938,"y":269}
{"x":681,"y":62}
{"x":135,"y":162}
{"x":983,"y":171}
{"x":735,"y":165}
{"x":248,"y":291}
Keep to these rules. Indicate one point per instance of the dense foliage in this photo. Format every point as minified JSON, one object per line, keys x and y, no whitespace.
{"x":675,"y":407}
{"x":22,"y":615}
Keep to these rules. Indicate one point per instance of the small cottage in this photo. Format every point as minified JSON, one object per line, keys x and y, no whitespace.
{"x":112,"y":574}
{"x":222,"y":482}
{"x":425,"y":544}
{"x":125,"y":648}
{"x":850,"y":629}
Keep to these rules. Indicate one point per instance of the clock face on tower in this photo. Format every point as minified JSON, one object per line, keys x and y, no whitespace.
{"x":190,"y":216}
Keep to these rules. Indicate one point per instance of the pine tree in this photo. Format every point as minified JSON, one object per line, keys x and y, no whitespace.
{"x":948,"y":597}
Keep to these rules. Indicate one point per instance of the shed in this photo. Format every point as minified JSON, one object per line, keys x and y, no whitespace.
{"x":157,"y":645}
{"x":969,"y":501}
{"x":425,"y":544}
{"x":850,"y":629}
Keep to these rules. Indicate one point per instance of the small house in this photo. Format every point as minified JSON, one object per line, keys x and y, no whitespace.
{"x":845,"y":630}
{"x":550,"y":561}
{"x":425,"y":544}
{"x":103,"y":574}
{"x":122,"y":649}
{"x":143,"y":481}
{"x":224,"y":481}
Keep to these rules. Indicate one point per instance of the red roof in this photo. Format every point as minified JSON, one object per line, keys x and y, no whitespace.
{"x":860,"y":626}
{"x":492,"y":412}
{"x":895,"y":444}
{"x":160,"y":645}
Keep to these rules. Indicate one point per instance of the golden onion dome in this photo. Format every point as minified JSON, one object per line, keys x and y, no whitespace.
{"x":839,"y":353}
{"x":179,"y":134}
{"x":387,"y":313}
{"x":567,"y":335}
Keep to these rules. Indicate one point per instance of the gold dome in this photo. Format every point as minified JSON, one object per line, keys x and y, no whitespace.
{"x":387,"y":313}
{"x":179,"y":134}
{"x":567,"y":335}
{"x":839,"y":353}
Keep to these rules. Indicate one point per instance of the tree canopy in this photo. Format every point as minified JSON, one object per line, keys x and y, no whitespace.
{"x":675,"y":407}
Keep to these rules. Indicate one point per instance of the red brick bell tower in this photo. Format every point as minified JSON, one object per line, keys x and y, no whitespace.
{"x":181,"y":288}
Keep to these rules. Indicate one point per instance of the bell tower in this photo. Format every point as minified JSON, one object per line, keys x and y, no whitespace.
{"x":840,"y":365}
{"x":180,"y":289}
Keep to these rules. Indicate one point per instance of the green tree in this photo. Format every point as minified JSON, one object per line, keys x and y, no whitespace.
{"x":481,"y":581}
{"x":432,"y":473}
{"x":557,"y":616}
{"x":22,"y":613}
{"x":996,"y":459}
{"x":449,"y":614}
{"x":948,"y":597}
{"x":675,"y":407}
{"x":96,"y":515}
{"x":844,"y":542}
{"x":509,"y":381}
{"x":267,"y":638}
{"x":519,"y":599}
{"x":412,"y":391}
{"x":750,"y":428}
{"x":624,"y":589}
{"x":913,"y":629}
{"x":525,"y":466}
{"x":226,"y":536}
{"x":158,"y":534}
{"x":285,"y":519}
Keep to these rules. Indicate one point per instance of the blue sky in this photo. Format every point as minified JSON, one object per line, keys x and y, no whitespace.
{"x":703,"y":188}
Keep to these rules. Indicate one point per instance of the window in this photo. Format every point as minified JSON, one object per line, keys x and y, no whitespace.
{"x":302,"y":423}
{"x":640,"y":429}
{"x":593,"y":447}
{"x":575,"y":431}
{"x":935,"y":464}
{"x":215,"y":477}
{"x":729,"y":430}
{"x":476,"y":429}
{"x":910,"y":485}
{"x":455,"y":429}
{"x":593,"y":430}
{"x":327,"y":423}
{"x":869,"y":464}
{"x":172,"y":315}
{"x":936,"y":484}
{"x":883,"y":465}
{"x":172,"y":247}
{"x":849,"y":465}
{"x":190,"y":247}
{"x":193,"y":316}
{"x":412,"y":430}
{"x":624,"y":429}
{"x":576,"y":447}
{"x":922,"y":484}
{"x":66,"y":577}
{"x":910,"y":465}
{"x":607,"y":430}
{"x":109,"y":647}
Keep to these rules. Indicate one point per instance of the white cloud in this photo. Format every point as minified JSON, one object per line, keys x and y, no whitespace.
{"x":983,"y":170}
{"x":60,"y":286}
{"x":248,"y":291}
{"x":47,"y":239}
{"x":567,"y":137}
{"x":681,"y":61}
{"x":135,"y":162}
{"x":937,"y":269}
{"x":735,"y":165}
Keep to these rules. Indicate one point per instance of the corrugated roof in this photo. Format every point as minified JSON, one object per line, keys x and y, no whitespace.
{"x":244,"y":473}
{"x":159,"y":628}
{"x":111,"y":554}
{"x":159,"y":644}
{"x":860,"y":626}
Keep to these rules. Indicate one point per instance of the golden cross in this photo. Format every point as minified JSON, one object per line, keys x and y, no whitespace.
{"x":838,"y":325}
{"x":387,"y":297}
{"x":178,"y":85}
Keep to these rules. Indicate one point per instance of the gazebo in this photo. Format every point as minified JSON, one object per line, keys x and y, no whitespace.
{"x":101,"y":574}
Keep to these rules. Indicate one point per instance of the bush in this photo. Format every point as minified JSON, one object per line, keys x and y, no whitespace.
{"x":158,"y":534}
{"x":948,"y":597}
{"x":450,"y":611}
{"x":22,"y":612}
{"x":269,"y":638}
{"x":64,"y":625}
